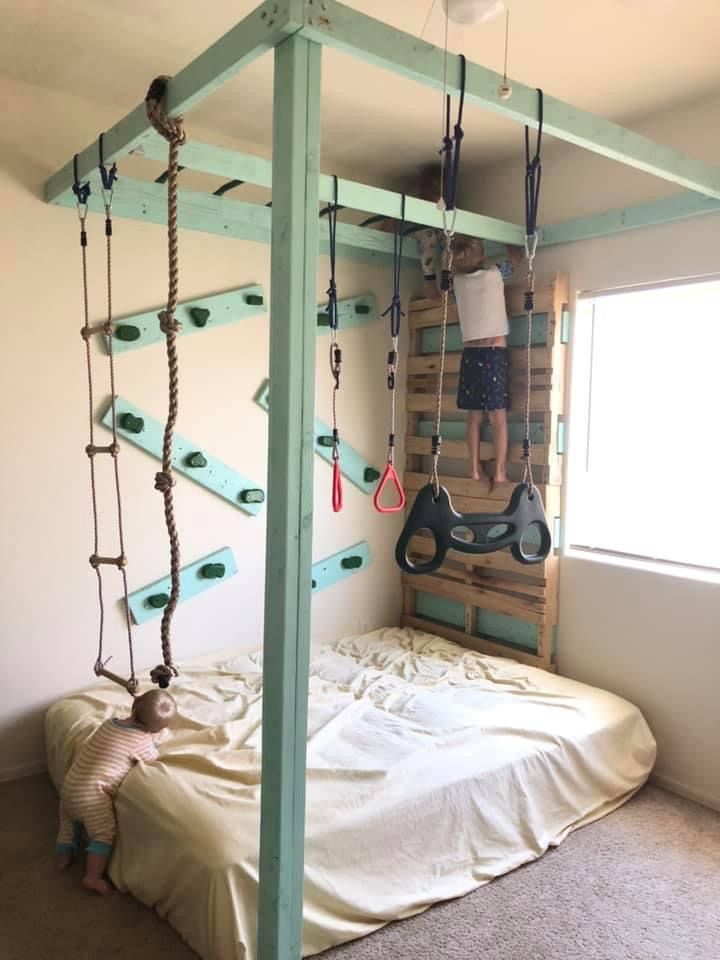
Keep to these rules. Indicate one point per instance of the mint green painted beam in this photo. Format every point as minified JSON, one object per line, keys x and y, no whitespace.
{"x":223,"y":162}
{"x":196,"y":577}
{"x":683,"y":206}
{"x":140,"y":200}
{"x":340,"y":565}
{"x":202,"y":313}
{"x":288,"y":562}
{"x":345,"y":29}
{"x":260,"y":31}
{"x":353,"y":466}
{"x":144,"y":431}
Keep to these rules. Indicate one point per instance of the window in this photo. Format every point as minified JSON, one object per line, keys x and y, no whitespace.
{"x":644,"y":456}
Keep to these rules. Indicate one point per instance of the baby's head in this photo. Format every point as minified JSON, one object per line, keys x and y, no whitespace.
{"x":154,"y":710}
{"x":468,"y":254}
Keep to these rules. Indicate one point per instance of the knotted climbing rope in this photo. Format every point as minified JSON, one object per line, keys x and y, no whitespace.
{"x":172,"y":130}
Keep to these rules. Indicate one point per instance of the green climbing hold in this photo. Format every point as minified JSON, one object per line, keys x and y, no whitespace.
{"x":362,"y":308}
{"x":127,"y":332}
{"x":323,"y":320}
{"x":199,"y":316}
{"x":254,"y":300}
{"x":252,"y":496}
{"x":131,"y":423}
{"x":212,"y":571}
{"x":370,"y":475}
{"x":325,"y":441}
{"x":196,"y":460}
{"x":351,"y":563}
{"x":314,"y":584}
{"x":158,"y":600}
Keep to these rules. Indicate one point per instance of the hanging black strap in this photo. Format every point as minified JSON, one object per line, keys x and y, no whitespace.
{"x":108,"y":175}
{"x":332,"y":210}
{"x":533,"y":173}
{"x":451,"y":144}
{"x":81,"y":190}
{"x":395,"y":308}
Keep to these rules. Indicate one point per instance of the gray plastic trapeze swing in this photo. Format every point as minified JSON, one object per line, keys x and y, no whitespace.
{"x":523,"y":514}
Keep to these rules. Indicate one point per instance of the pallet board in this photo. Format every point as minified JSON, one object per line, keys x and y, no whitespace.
{"x":489,"y":602}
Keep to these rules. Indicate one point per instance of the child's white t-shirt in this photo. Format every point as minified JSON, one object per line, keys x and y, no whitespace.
{"x":480,"y":299}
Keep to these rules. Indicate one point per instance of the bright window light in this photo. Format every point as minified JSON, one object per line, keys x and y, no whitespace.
{"x":644,"y":453}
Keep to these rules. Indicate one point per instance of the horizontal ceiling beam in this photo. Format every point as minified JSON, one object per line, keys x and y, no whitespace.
{"x":223,"y":162}
{"x":259,"y":32}
{"x":140,"y":200}
{"x":336,"y":25}
{"x":683,"y":206}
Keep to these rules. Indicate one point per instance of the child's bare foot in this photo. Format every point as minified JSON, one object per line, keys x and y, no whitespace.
{"x":63,"y":860}
{"x":500,"y":477}
{"x":98,"y":885}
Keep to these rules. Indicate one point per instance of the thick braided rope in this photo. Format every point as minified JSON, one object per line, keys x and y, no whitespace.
{"x":171,"y":128}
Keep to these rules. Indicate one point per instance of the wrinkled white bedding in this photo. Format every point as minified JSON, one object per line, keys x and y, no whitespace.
{"x":431,"y":770}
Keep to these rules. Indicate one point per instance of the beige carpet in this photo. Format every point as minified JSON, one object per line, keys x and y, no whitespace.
{"x":643,"y":884}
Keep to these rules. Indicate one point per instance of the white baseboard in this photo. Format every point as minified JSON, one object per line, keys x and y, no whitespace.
{"x":27,"y":769}
{"x":674,"y":786}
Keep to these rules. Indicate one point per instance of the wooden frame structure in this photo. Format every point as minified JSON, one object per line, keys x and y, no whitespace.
{"x":296,"y":30}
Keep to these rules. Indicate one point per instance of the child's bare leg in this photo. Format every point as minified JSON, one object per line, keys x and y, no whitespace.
{"x":473,"y":427}
{"x":498,"y":420}
{"x":95,"y":865}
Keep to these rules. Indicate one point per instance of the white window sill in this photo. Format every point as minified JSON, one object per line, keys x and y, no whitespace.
{"x":662,"y":567}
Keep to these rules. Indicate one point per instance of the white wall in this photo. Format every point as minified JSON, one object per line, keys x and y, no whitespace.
{"x":652,"y":638}
{"x":48,"y":615}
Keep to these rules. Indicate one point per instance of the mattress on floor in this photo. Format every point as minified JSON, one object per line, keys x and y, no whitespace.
{"x":431,"y":770}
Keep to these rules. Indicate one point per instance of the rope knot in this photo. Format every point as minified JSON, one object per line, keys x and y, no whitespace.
{"x":163,"y":674}
{"x":170,"y":128}
{"x":164,"y":482}
{"x":168,"y":324}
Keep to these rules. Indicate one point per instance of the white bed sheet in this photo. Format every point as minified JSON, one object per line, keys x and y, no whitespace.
{"x":431,"y":770}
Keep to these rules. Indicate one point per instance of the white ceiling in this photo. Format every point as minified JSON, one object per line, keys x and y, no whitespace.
{"x":621,"y":59}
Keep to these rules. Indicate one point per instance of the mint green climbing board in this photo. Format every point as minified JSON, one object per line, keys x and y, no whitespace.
{"x":206,"y":313}
{"x":147,"y":433}
{"x":196,"y":577}
{"x":357,"y":470}
{"x":340,"y":565}
{"x":202,"y":313}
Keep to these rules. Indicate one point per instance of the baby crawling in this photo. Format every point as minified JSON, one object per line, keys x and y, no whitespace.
{"x":86,"y":798}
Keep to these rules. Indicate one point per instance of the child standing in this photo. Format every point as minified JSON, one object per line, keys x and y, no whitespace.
{"x":86,"y":798}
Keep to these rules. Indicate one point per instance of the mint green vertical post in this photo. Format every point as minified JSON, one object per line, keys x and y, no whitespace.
{"x":296,"y":148}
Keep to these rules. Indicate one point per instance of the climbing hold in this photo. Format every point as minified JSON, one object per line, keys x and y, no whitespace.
{"x":158,"y":600}
{"x":314,"y":584}
{"x":196,"y":459}
{"x":254,"y":299}
{"x":323,"y":320}
{"x":325,"y":441}
{"x":127,"y":332}
{"x":131,"y":423}
{"x":351,"y":563}
{"x":370,"y":475}
{"x":199,"y":316}
{"x":212,"y":571}
{"x":362,"y":308}
{"x":252,"y":496}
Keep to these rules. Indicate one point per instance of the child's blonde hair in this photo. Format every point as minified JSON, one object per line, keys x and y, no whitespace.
{"x":155,"y":710}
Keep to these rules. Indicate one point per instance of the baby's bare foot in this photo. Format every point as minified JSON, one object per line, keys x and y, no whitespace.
{"x":98,"y":885}
{"x":63,"y":860}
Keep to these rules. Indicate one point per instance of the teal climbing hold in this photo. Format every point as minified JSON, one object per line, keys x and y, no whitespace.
{"x":199,"y":316}
{"x":131,"y":423}
{"x":351,"y":563}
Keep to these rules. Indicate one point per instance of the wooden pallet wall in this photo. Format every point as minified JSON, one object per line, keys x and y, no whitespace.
{"x":489,"y":603}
